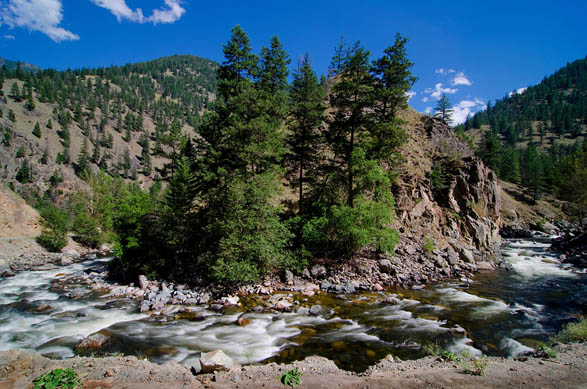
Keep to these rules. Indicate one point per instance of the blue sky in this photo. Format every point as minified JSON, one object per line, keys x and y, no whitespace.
{"x":473,"y":51}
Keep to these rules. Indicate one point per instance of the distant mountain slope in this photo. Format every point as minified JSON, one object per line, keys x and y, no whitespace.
{"x":124,"y":120}
{"x":13,"y":65}
{"x":557,"y":106}
{"x":536,"y":137}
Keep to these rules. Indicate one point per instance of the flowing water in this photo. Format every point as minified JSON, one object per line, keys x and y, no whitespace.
{"x":504,"y":313}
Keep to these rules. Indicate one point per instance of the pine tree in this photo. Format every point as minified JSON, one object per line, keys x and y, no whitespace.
{"x":15,"y":92}
{"x":96,"y":153}
{"x":307,"y":117}
{"x":82,"y":160}
{"x":351,"y":95}
{"x":443,"y":109}
{"x":37,"y":130}
{"x":393,"y":79}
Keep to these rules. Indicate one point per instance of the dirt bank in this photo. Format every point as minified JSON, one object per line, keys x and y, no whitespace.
{"x":569,"y":370}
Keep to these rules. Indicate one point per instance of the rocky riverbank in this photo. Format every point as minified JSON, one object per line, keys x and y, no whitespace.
{"x":18,"y":368}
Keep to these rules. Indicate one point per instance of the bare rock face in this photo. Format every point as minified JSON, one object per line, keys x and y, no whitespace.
{"x":447,"y":228}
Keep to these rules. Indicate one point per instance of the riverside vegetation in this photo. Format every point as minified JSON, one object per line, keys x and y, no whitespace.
{"x":227,"y":213}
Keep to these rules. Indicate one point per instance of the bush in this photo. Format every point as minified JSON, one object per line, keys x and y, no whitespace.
{"x":573,"y":332}
{"x":475,"y":366}
{"x":55,"y":225}
{"x":86,"y":230}
{"x":57,"y":378}
{"x":428,"y":246}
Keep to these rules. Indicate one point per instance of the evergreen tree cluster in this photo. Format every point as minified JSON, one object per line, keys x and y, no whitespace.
{"x":509,"y":146}
{"x":170,"y":90}
{"x":558,"y":104}
{"x":224,"y":215}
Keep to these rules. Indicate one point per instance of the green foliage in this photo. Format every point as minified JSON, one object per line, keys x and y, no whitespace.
{"x":444,"y":109}
{"x":57,"y":378}
{"x":433,"y":349}
{"x":476,"y":366}
{"x":545,"y":351}
{"x":55,"y":223}
{"x":24,"y":174}
{"x":292,"y":378}
{"x":428,"y":246}
{"x":573,"y":332}
{"x":86,"y":230}
{"x":20,"y":152}
{"x":37,"y":130}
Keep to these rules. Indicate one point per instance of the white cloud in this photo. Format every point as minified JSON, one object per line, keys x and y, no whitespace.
{"x":439,"y":90}
{"x":444,"y":72}
{"x":410,"y":94}
{"x":170,"y":13}
{"x":518,"y":91}
{"x":36,"y":15}
{"x":462,"y":110}
{"x":173,"y":13}
{"x":460,"y":79}
{"x":9,"y":37}
{"x":425,"y":99}
{"x":428,"y":110}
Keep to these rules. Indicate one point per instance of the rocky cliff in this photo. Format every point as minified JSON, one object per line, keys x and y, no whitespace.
{"x":448,"y":214}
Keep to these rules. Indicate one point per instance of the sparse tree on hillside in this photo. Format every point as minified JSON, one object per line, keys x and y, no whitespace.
{"x":37,"y":130}
{"x":82,"y":160}
{"x":443,"y":109}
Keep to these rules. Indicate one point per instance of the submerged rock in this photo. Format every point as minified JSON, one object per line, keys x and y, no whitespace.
{"x":92,"y":341}
{"x":315,"y":310}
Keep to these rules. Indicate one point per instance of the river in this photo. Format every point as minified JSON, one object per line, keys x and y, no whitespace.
{"x":504,"y":313}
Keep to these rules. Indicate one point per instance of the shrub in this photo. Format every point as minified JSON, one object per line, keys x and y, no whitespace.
{"x":86,"y":230}
{"x":435,"y":351}
{"x":475,"y":366}
{"x":55,"y":225}
{"x":57,"y":378}
{"x":573,"y":332}
{"x":428,"y":246}
{"x":545,"y":352}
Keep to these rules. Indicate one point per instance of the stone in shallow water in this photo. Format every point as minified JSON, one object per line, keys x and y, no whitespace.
{"x":92,"y":341}
{"x":315,"y":310}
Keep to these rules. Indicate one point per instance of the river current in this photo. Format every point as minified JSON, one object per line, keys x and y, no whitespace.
{"x":505,"y":313}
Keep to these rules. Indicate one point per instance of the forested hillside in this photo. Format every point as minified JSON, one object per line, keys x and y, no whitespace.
{"x":536,"y":136}
{"x":124,"y":120}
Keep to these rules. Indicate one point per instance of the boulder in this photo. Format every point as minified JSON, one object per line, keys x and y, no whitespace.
{"x":193,"y":364}
{"x":243,"y":321}
{"x":288,"y":276}
{"x":66,"y":260}
{"x":283,"y":305}
{"x":485,"y":266}
{"x":92,"y":341}
{"x":318,"y":271}
{"x":72,"y":253}
{"x":216,"y":360}
{"x":230,"y":300}
{"x":143,"y":282}
{"x":315,"y":310}
{"x":145,"y":306}
{"x":385,"y":266}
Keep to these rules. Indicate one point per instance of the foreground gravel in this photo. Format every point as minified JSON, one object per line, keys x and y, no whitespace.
{"x":569,"y":370}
